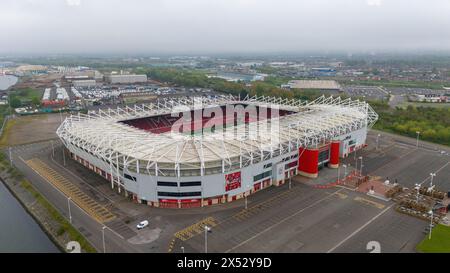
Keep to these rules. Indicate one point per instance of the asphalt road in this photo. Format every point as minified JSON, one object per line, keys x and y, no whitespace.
{"x":279,"y":219}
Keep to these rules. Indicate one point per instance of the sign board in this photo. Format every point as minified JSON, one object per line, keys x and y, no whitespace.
{"x":232,"y":181}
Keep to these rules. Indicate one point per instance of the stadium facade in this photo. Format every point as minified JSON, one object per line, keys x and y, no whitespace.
{"x":192,"y":152}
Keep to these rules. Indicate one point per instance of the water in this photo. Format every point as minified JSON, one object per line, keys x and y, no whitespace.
{"x":18,"y":230}
{"x":7,"y":81}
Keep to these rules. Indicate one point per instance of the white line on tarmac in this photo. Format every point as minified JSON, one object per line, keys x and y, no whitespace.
{"x":76,"y":205}
{"x":438,"y":170}
{"x":282,"y":221}
{"x":359,"y":229}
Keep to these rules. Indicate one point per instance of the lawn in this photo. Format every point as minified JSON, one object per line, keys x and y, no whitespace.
{"x":24,"y":97}
{"x":439,"y":243}
{"x":425,"y":104}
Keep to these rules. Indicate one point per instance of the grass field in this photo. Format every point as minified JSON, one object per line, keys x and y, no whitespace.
{"x":425,"y":104}
{"x":439,"y":243}
{"x":29,"y":129}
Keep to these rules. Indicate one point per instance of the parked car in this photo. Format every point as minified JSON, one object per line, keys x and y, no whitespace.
{"x":142,"y":224}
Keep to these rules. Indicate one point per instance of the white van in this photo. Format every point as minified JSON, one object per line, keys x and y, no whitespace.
{"x":142,"y":224}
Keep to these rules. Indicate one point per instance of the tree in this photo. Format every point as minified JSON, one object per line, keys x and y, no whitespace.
{"x":15,"y":102}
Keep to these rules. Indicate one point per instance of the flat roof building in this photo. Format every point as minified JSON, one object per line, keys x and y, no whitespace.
{"x":315,"y":84}
{"x":131,"y":78}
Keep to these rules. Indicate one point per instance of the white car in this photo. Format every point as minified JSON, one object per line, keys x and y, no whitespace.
{"x":142,"y":224}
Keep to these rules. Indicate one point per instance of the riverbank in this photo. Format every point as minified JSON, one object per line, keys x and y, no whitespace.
{"x":7,"y":81}
{"x":57,"y":228}
{"x":49,"y":218}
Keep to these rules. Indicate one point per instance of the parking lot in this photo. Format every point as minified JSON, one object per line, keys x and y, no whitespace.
{"x":296,"y":218}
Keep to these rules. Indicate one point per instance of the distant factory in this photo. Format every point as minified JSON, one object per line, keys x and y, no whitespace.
{"x":315,"y":84}
{"x":126,"y":78}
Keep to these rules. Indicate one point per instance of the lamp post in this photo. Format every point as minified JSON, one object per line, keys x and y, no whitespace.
{"x":103,"y":239}
{"x":338,"y":174}
{"x":246,"y":194}
{"x":417,"y":140}
{"x":53,"y":148}
{"x":378,"y":136}
{"x":360,"y":169}
{"x":431,"y":223}
{"x":10,"y":157}
{"x":207,"y":229}
{"x":68,"y":205}
{"x":431,"y":176}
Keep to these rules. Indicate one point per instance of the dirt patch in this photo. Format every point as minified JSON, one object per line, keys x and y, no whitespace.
{"x":28,"y":129}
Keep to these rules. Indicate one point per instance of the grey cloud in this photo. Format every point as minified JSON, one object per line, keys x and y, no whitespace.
{"x":84,"y":26}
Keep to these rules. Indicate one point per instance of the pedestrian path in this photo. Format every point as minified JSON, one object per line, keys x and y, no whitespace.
{"x":85,"y":202}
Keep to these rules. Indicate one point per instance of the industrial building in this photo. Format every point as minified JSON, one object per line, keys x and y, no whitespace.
{"x":315,"y":84}
{"x":126,"y":79}
{"x":159,"y":159}
{"x":84,"y":83}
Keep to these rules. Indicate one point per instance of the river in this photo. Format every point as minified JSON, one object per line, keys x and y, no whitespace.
{"x":18,"y":230}
{"x":7,"y":81}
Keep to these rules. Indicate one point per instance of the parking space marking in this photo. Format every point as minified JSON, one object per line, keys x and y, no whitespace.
{"x":369,"y":202}
{"x":90,"y":206}
{"x":281,"y":221}
{"x":358,"y":230}
{"x":197,"y":228}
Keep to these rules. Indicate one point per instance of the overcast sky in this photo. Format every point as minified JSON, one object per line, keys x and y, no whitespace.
{"x":222,"y":26}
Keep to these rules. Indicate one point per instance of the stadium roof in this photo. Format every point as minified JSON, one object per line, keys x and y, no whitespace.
{"x":101,"y":133}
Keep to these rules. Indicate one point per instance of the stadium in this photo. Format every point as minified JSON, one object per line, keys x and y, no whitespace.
{"x":193,"y":152}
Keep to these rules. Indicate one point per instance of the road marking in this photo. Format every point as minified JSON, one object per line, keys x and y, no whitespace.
{"x":194,"y":229}
{"x":94,"y":209}
{"x":341,"y":195}
{"x":281,"y":221}
{"x":359,"y":229}
{"x":438,"y":170}
{"x":82,"y":180}
{"x":369,"y":202}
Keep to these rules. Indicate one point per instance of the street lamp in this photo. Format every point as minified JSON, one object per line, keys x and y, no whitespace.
{"x":378,"y":136}
{"x":103,"y":239}
{"x":431,"y":182}
{"x":10,"y":157}
{"x":431,"y":223}
{"x":338,"y":173}
{"x":68,"y":205}
{"x":207,"y":229}
{"x":53,"y":148}
{"x":246,"y":194}
{"x":417,"y":141}
{"x":417,"y":194}
{"x":360,"y":172}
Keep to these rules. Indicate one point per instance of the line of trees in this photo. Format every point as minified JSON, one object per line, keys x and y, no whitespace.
{"x":432,"y":123}
{"x":193,"y":78}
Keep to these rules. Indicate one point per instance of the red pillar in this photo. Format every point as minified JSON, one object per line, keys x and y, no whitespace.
{"x":308,"y":161}
{"x":334,"y":154}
